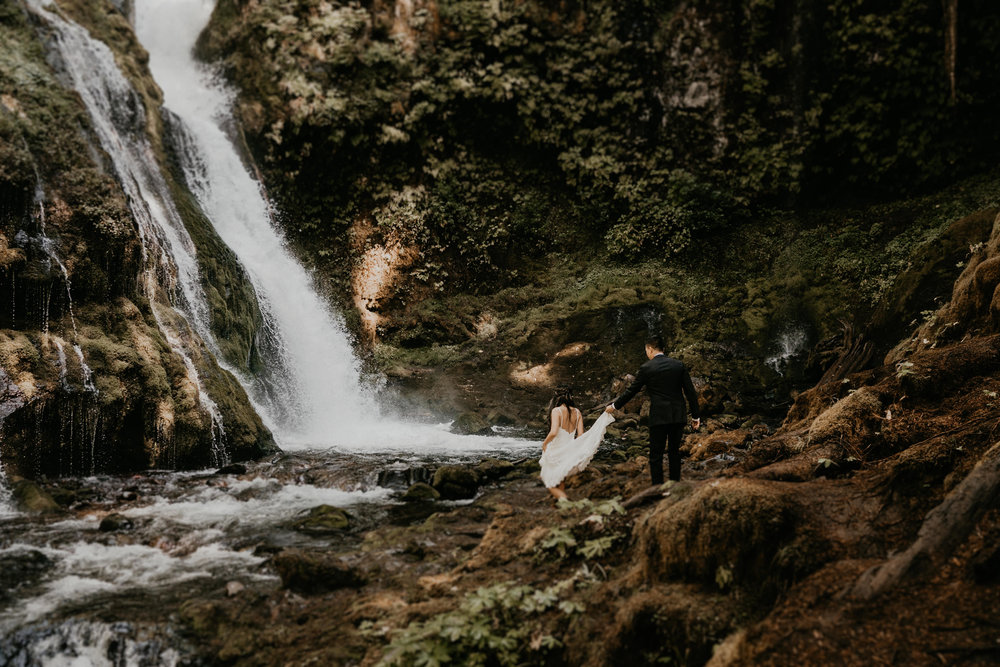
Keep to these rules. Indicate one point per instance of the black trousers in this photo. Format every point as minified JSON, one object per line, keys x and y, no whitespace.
{"x":659,"y":435}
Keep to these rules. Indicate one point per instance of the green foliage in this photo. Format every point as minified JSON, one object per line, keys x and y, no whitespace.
{"x":528,"y":128}
{"x":598,"y":528}
{"x":495,"y":625}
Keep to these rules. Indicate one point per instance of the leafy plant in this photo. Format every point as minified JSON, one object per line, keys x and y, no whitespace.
{"x":494,"y":625}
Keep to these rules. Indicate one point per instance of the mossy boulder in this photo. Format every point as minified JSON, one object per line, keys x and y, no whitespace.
{"x":456,"y":482}
{"x":314,"y":572}
{"x":33,"y":499}
{"x":726,"y":533}
{"x":323,"y":520}
{"x":420,"y":492}
{"x":470,"y":423}
{"x":494,"y":469}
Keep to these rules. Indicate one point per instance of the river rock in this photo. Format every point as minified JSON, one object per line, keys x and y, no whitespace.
{"x":323,"y":520}
{"x":456,"y":482}
{"x":470,"y":423}
{"x":114,"y":523}
{"x":493,"y":469}
{"x":312,"y":572}
{"x":18,"y":568}
{"x":498,"y":418}
{"x":420,"y":492}
{"x":232,"y":469}
{"x":33,"y":499}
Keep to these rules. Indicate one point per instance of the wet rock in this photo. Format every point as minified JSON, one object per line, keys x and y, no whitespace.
{"x":234,"y":588}
{"x":635,"y":451}
{"x":33,"y":499}
{"x":493,"y":469}
{"x":114,"y":523}
{"x":323,"y":520}
{"x":421,"y":492}
{"x":498,"y":418}
{"x":312,"y":572}
{"x":232,"y":469}
{"x":529,"y":466}
{"x":20,"y":568}
{"x":706,"y":446}
{"x":470,"y":423}
{"x":456,"y":482}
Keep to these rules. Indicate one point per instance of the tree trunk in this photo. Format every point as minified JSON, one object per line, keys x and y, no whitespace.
{"x":951,"y":44}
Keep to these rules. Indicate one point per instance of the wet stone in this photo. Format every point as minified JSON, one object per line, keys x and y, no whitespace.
{"x":456,"y":482}
{"x":323,"y":520}
{"x":232,"y":469}
{"x":493,"y":469}
{"x":470,"y":423}
{"x":114,"y":523}
{"x":309,"y":572}
{"x":21,"y":568}
{"x":421,"y":492}
{"x":33,"y":499}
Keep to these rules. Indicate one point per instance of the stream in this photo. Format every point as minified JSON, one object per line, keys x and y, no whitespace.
{"x":98,"y":584}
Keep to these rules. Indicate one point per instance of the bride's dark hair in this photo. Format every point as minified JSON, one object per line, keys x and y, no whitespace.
{"x":563,"y":396}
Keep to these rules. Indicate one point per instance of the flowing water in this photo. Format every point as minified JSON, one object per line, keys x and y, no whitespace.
{"x":74,"y":594}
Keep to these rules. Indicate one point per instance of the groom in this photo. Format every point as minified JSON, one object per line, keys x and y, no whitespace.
{"x":668,"y":382}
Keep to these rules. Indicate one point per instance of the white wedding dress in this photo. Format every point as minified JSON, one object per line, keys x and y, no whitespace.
{"x":567,"y":455}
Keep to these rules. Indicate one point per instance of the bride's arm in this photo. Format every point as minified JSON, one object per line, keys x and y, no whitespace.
{"x":579,"y":423}
{"x":553,"y":429}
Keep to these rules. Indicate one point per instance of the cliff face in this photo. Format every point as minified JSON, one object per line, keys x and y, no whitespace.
{"x":484,"y":184}
{"x":91,"y":381}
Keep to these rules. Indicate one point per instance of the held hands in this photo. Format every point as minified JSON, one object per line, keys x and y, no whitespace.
{"x":696,"y":423}
{"x":610,"y":408}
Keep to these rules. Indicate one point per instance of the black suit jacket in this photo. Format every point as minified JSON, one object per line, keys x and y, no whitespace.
{"x":668,"y":382}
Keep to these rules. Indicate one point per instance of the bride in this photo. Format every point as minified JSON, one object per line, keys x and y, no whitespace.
{"x":567,"y":450}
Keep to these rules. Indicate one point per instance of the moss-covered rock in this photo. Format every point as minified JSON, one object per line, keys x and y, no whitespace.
{"x":421,"y":492}
{"x":456,"y":482}
{"x":323,"y":520}
{"x":33,"y":499}
{"x":470,"y":423}
{"x":310,"y":572}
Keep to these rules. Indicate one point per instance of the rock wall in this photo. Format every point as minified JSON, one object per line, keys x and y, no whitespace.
{"x":91,"y":382}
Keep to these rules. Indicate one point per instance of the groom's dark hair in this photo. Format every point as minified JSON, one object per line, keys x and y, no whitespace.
{"x":655,"y":341}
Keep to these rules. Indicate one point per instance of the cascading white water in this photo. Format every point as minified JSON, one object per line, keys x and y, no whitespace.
{"x":118,"y":117}
{"x":316,"y":398}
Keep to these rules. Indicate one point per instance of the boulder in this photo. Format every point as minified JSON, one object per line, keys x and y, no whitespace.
{"x":33,"y":499}
{"x":456,"y":482}
{"x":470,"y":423}
{"x":114,"y":523}
{"x":493,"y":469}
{"x":312,"y":572}
{"x":232,"y":469}
{"x":421,"y":492}
{"x":323,"y":520}
{"x":18,"y":568}
{"x":497,"y":418}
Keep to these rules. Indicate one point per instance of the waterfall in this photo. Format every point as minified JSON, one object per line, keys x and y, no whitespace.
{"x":791,"y":342}
{"x":118,"y":117}
{"x":311,"y":392}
